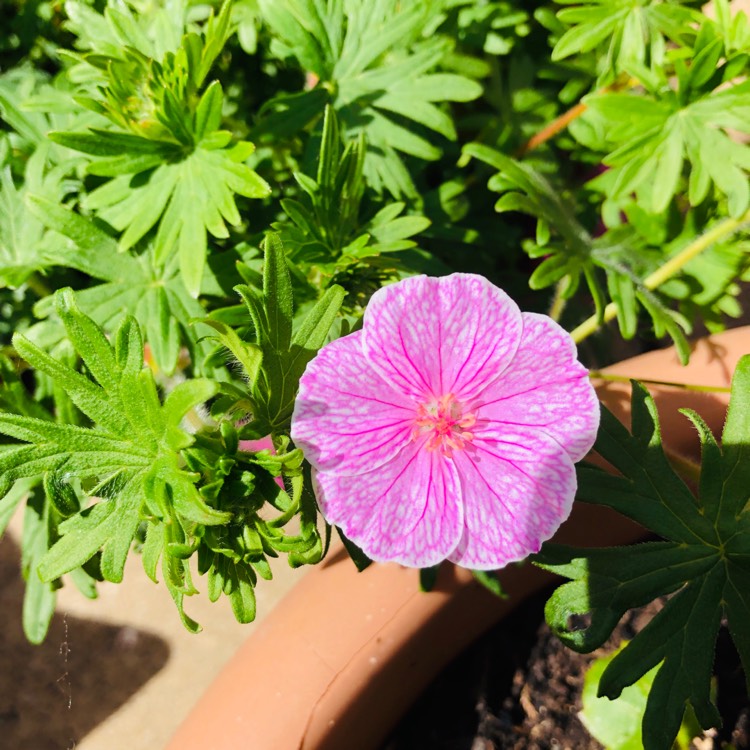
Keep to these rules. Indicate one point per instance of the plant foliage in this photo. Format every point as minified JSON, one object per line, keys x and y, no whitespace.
{"x":372,"y":63}
{"x":142,"y":476}
{"x":625,"y":31}
{"x":588,"y":157}
{"x":702,"y":561}
{"x":167,"y":129}
{"x":570,"y":253}
{"x":326,"y":228}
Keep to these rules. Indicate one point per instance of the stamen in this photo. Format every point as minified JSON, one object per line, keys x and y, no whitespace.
{"x":446,"y":423}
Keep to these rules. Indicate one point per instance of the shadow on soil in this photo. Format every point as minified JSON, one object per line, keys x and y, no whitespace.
{"x":52,"y":695}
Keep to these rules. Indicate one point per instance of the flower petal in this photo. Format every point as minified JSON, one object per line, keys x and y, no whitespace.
{"x":408,"y":511}
{"x":547,"y":388}
{"x":433,"y":336}
{"x":346,"y":418}
{"x":518,"y":487}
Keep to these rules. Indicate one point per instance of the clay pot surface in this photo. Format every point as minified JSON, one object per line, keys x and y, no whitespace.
{"x":340,"y":659}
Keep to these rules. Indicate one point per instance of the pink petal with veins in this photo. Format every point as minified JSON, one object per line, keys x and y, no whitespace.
{"x":448,"y":427}
{"x":517,"y":487}
{"x":408,"y":511}
{"x":434,"y":336}
{"x":545,"y":387}
{"x":346,"y":418}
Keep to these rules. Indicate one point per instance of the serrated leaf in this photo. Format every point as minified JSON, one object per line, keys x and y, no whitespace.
{"x":24,"y":240}
{"x":624,"y":31}
{"x":40,"y":596}
{"x":371,"y":55}
{"x":702,"y":562}
{"x":571,"y":253}
{"x":134,"y":455}
{"x":284,"y":357}
{"x":183,"y":201}
{"x":277,"y":294}
{"x":166,"y":132}
{"x":164,"y":309}
{"x":653,"y":135}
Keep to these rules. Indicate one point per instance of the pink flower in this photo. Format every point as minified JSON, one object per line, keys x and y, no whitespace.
{"x":447,"y":427}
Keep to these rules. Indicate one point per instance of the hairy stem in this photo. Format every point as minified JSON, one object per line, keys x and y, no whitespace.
{"x":38,"y":286}
{"x":562,"y":121}
{"x":550,"y":131}
{"x":688,"y":470}
{"x":558,"y":301}
{"x":720,"y":231}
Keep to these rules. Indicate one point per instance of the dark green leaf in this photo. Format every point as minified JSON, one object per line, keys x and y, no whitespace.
{"x":702,"y":562}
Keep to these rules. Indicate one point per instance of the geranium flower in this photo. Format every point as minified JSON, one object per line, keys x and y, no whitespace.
{"x":447,"y":427}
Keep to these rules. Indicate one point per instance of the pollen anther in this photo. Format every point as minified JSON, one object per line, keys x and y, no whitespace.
{"x":445,"y":423}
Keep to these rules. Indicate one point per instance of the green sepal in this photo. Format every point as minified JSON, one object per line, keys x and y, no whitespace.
{"x":428,"y":578}
{"x":490,"y":581}
{"x":358,"y":557}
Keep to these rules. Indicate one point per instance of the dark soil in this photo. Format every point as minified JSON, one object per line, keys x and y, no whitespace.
{"x":519,"y":688}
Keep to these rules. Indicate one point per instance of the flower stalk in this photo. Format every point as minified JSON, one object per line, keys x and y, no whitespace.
{"x":598,"y":375}
{"x":720,"y":231}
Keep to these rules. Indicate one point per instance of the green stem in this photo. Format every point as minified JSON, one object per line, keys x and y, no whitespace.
{"x":558,"y":301}
{"x":688,"y":470}
{"x":35,"y":283}
{"x":665,"y":272}
{"x":597,"y":375}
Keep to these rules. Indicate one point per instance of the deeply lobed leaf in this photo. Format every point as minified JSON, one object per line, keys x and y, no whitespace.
{"x":702,"y":562}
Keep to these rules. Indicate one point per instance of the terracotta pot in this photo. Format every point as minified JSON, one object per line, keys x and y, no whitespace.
{"x":340,"y":659}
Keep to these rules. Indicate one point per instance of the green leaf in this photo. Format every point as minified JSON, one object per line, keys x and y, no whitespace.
{"x":40,"y":596}
{"x":137,"y":286}
{"x":277,"y":294}
{"x":328,"y":228}
{"x":284,"y":357}
{"x":572,"y":253}
{"x":166,"y":131}
{"x":616,"y":724}
{"x":24,"y":241}
{"x":208,"y":113}
{"x":242,"y":597}
{"x":652,"y":136}
{"x":312,"y":334}
{"x":586,"y":36}
{"x":490,"y":581}
{"x":132,"y":454}
{"x":183,"y":201}
{"x":735,"y":442}
{"x":186,"y":396}
{"x":428,"y":578}
{"x":702,"y":562}
{"x":12,"y":499}
{"x":248,"y":355}
{"x":381,"y":74}
{"x":623,"y":31}
{"x":100,"y":142}
{"x":360,"y":560}
{"x":61,"y":496}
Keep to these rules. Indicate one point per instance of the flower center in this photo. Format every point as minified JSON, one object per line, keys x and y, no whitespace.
{"x":446,"y":424}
